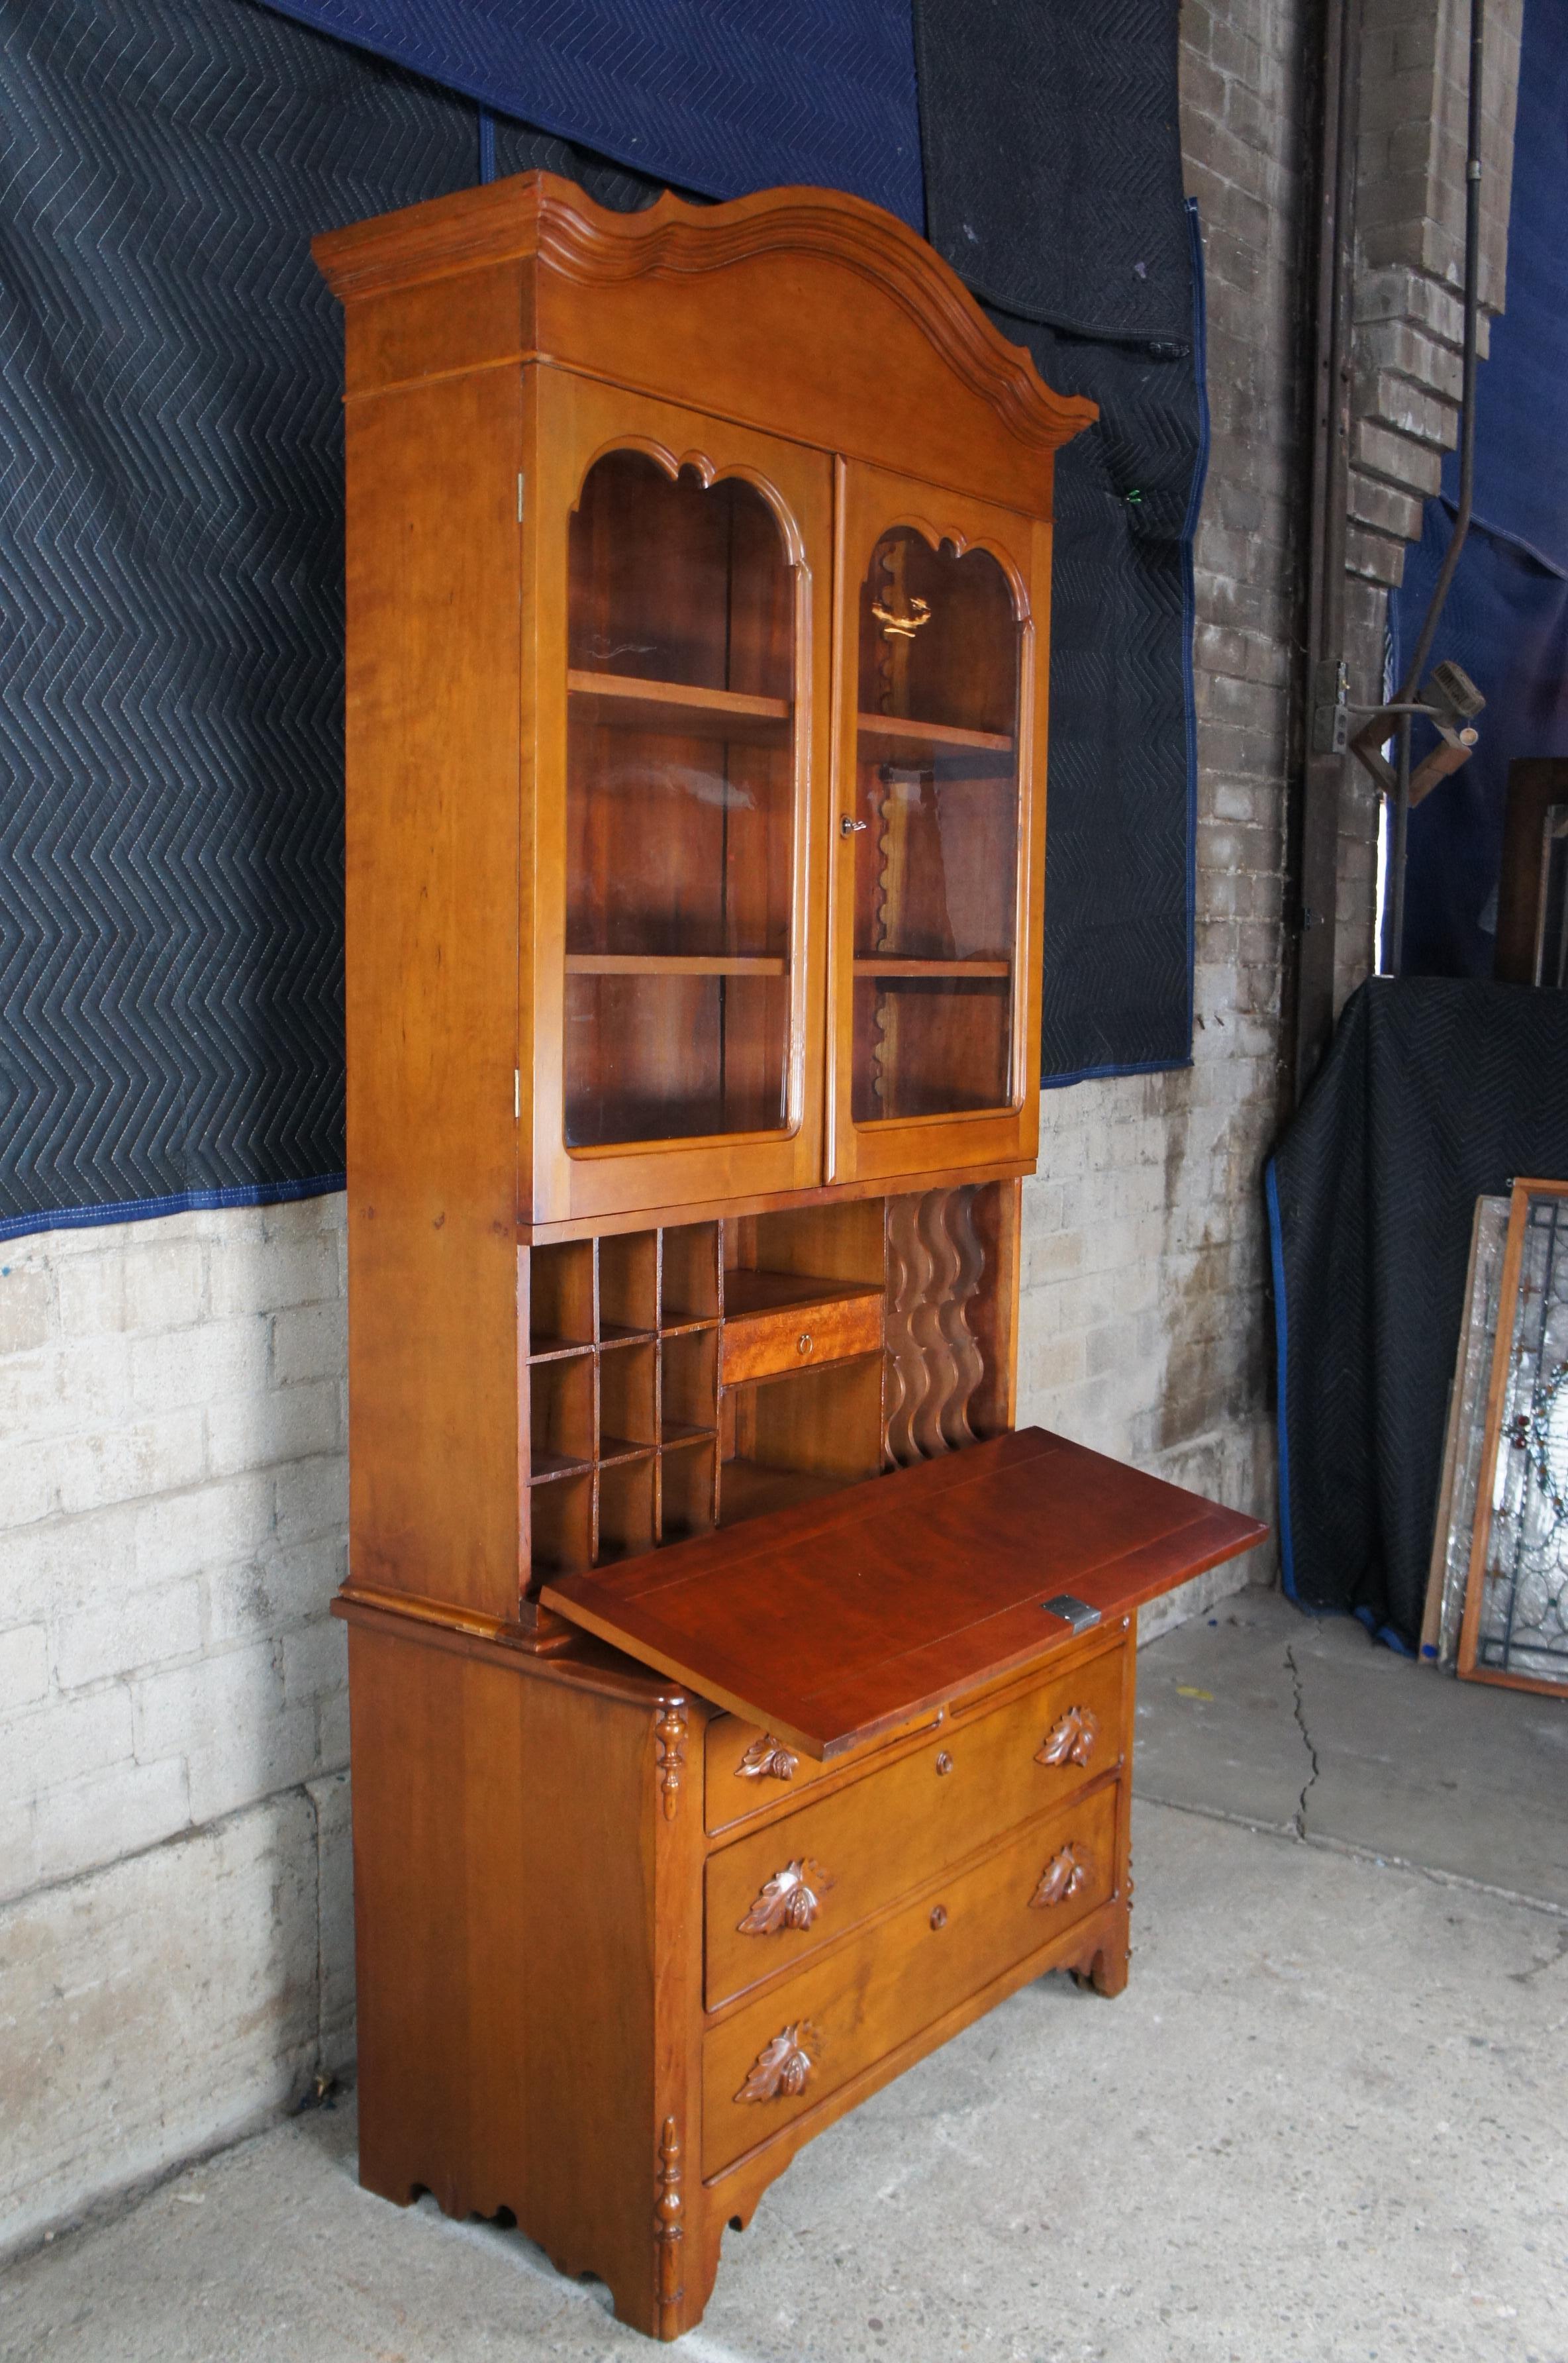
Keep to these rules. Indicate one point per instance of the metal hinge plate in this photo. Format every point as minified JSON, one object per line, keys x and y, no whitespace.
{"x":1072,"y":1611}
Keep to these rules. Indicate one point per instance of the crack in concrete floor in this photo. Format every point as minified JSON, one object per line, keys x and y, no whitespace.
{"x":1312,"y":1731}
{"x":1298,"y":1707}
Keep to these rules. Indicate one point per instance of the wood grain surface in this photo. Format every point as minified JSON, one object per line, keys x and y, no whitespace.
{"x":839,"y":1619}
{"x":864,"y":1997}
{"x":903,"y":1822}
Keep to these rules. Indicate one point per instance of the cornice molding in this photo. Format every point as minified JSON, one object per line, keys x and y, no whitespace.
{"x":538,"y":218}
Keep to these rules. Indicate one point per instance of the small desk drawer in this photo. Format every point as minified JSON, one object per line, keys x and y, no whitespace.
{"x":783,"y":1892}
{"x":766,"y":1344}
{"x":802,"y":2040}
{"x":746,"y":1767}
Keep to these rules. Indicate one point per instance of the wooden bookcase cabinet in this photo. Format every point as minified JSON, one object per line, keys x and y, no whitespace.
{"x":714,"y":1750}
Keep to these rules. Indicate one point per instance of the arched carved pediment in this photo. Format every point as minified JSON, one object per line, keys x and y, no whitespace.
{"x":671,"y":238}
{"x":539,"y":218}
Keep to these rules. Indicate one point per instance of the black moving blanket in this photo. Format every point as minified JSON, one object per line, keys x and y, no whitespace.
{"x":172,"y":568}
{"x":1053,"y":165}
{"x":1435,"y":1092}
{"x":171,"y":552}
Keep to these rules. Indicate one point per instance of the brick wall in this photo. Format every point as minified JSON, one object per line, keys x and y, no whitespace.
{"x":175,"y":1942}
{"x":1146,"y":1326}
{"x":1411,"y":209}
{"x":176,"y":1936}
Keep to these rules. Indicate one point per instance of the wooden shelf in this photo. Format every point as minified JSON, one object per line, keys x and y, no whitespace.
{"x":897,"y":732}
{"x":612,"y":1334}
{"x":748,"y":1489}
{"x":672,"y":964}
{"x":882,"y":964}
{"x":619,"y":702}
{"x":557,"y":1349}
{"x":677,"y":1433}
{"x":773,"y":1292}
{"x":615,"y":1448}
{"x":543,"y":1467}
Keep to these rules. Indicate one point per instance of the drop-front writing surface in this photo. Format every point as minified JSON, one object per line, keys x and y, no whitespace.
{"x":698,"y":567}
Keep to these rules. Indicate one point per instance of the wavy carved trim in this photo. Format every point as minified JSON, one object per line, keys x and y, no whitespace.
{"x":538,"y":214}
{"x":1071,"y":1740}
{"x":780,"y":2068}
{"x":935,"y":1263}
{"x":710,"y":471}
{"x":790,"y":1899}
{"x":963,"y":545}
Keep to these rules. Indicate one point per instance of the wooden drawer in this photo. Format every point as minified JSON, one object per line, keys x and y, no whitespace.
{"x":766,"y":1344}
{"x":785,"y":1891}
{"x":747,"y":1769}
{"x":799,"y":2042}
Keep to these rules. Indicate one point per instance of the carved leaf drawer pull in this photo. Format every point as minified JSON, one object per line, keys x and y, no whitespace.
{"x":1071,"y":1740}
{"x":780,"y":2071}
{"x":791,"y":1899}
{"x":1063,"y":1876}
{"x":767,"y":1758}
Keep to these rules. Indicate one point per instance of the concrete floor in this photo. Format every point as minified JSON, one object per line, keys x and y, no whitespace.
{"x":1328,"y":2120}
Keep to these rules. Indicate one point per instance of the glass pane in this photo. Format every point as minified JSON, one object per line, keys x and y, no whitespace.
{"x":679,"y":808}
{"x":936,"y":855}
{"x":1552,"y":949}
{"x":1522,"y":1628}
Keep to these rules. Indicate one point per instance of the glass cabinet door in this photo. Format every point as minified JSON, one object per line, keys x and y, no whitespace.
{"x":681,"y":808}
{"x":687,"y":866}
{"x":935,"y":881}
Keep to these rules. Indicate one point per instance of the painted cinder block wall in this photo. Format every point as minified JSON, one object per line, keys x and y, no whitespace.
{"x":175,"y":1919}
{"x":176,"y":1945}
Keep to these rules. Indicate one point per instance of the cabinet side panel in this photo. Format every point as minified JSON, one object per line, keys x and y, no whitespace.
{"x":438,"y":1835}
{"x":513,"y":1862}
{"x":432,"y":844}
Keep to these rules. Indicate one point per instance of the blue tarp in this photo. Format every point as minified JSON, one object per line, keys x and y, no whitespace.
{"x":1506,"y":617}
{"x":718,"y":96}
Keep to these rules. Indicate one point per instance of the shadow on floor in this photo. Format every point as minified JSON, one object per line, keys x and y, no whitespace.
{"x":1324,"y":2123}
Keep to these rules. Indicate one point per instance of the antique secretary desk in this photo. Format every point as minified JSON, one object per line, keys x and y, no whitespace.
{"x":740,"y":1706}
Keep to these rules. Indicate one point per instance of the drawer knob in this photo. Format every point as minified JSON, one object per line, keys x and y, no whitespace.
{"x":1071,"y":1740}
{"x":939,"y":1915}
{"x":779,"y":2070}
{"x":943,"y":1762}
{"x":803,"y":1342}
{"x":791,"y":1899}
{"x":1063,"y":1876}
{"x":767,"y":1758}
